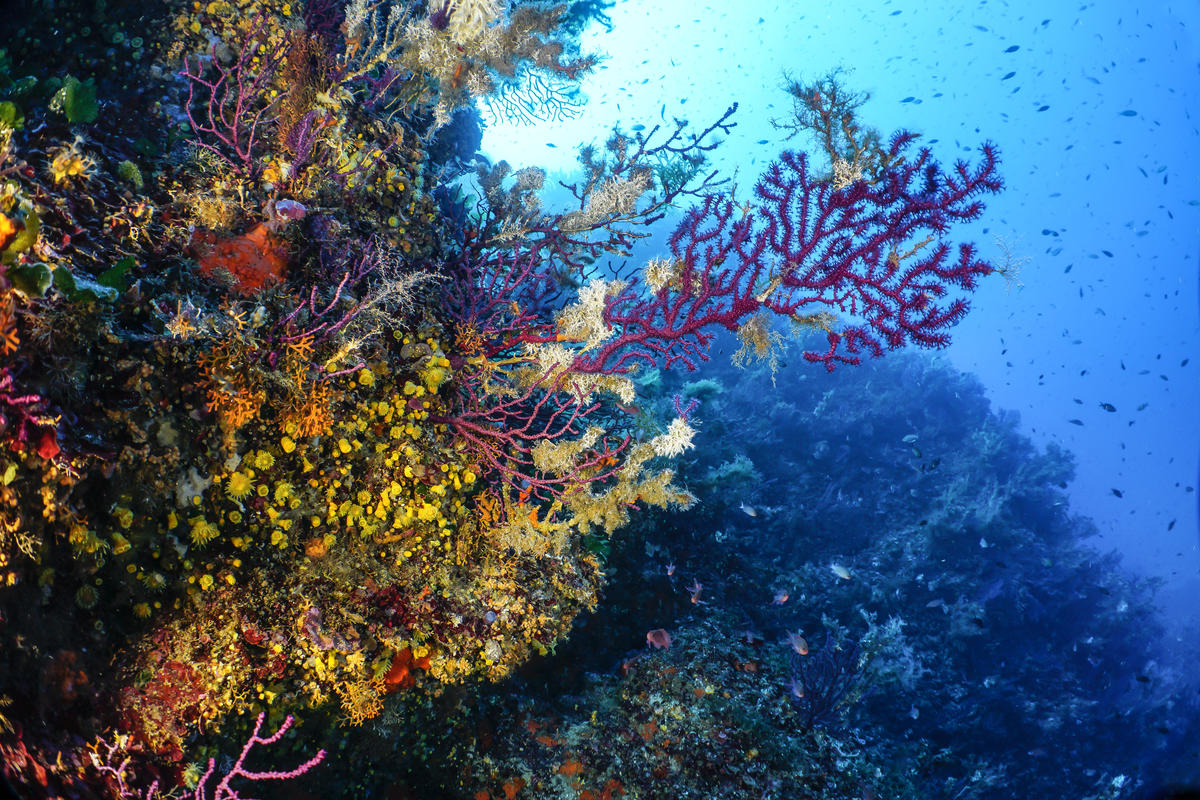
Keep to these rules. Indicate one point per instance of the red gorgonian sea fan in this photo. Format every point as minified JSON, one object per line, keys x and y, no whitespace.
{"x":808,"y":246}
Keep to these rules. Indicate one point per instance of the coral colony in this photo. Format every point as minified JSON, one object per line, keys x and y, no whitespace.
{"x":299,"y":422}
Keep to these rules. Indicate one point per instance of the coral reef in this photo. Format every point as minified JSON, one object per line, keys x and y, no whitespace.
{"x":309,"y":415}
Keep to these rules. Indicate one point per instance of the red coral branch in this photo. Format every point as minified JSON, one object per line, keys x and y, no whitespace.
{"x":872,"y":250}
{"x":502,"y":434}
{"x":805,"y":247}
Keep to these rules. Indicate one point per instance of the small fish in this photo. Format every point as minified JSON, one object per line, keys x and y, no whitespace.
{"x":1013,"y":49}
{"x":695,"y":589}
{"x":1075,"y":421}
{"x":912,"y":437}
{"x":798,"y":643}
{"x":780,"y":598}
{"x":1142,"y":678}
{"x":840,"y":571}
{"x":749,"y":511}
{"x":983,"y":543}
{"x":1118,"y":493}
{"x":1109,"y":407}
{"x":670,"y":569}
{"x":1171,"y":525}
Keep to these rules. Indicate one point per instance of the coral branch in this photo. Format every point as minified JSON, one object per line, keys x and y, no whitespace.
{"x":112,"y":763}
{"x":820,"y":683}
{"x":229,"y":103}
{"x":803,"y":250}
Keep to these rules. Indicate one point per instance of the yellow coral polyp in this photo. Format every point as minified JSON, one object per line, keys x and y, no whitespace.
{"x":86,"y":541}
{"x":288,"y":444}
{"x":87,"y":596}
{"x":238,"y":486}
{"x":202,"y":531}
{"x":433,"y":377}
{"x":123,"y":516}
{"x":70,"y":163}
{"x":119,"y":544}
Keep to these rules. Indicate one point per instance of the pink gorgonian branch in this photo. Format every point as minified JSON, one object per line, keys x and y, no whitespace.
{"x":112,"y":763}
{"x":223,"y":791}
{"x":229,"y":103}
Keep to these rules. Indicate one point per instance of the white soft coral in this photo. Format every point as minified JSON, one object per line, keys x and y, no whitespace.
{"x":470,"y":18}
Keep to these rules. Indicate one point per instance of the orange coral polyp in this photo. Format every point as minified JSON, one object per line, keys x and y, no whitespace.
{"x":401,"y":674}
{"x":254,"y":260}
{"x":8,"y":231}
